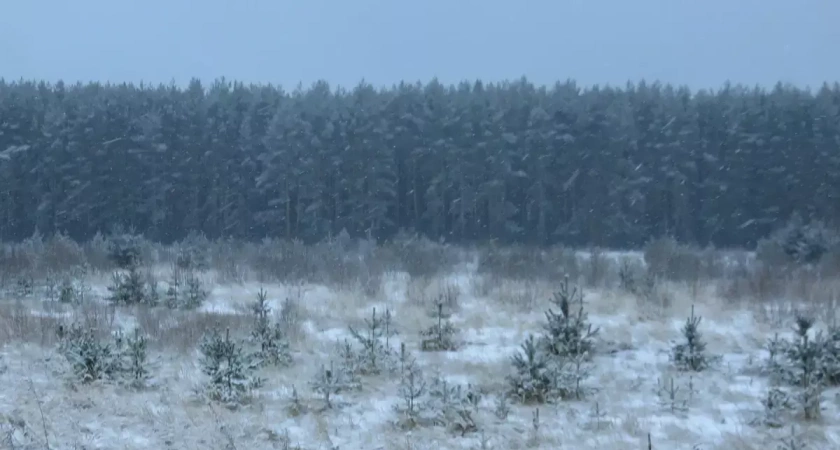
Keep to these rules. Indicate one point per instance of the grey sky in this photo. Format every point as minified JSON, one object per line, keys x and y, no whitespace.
{"x":701,"y":43}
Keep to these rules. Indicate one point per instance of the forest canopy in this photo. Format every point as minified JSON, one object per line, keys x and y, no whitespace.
{"x":510,"y":161}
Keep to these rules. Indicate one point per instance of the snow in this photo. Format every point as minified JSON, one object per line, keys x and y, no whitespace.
{"x":168,"y":414}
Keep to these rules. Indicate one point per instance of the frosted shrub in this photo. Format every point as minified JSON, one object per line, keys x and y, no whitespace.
{"x":691,"y":355}
{"x":230,"y":369}
{"x":269,"y":335}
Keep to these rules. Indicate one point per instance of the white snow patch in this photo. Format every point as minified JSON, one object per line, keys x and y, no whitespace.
{"x":167,"y":415}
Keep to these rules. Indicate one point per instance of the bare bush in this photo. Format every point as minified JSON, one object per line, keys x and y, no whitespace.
{"x":522,"y":262}
{"x":182,"y":330}
{"x":598,"y":268}
{"x":325,"y":262}
{"x":62,"y":253}
{"x":193,"y":253}
{"x":483,"y":285}
{"x":19,"y":324}
{"x":797,"y":243}
{"x":15,"y":261}
{"x":522,"y":294}
{"x":517,"y":262}
{"x":229,"y":259}
{"x":420,"y":257}
{"x":96,"y":253}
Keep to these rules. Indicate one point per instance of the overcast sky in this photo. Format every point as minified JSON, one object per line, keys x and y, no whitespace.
{"x":701,"y":43}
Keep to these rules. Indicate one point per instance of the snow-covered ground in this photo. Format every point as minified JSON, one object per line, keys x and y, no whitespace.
{"x":42,"y":407}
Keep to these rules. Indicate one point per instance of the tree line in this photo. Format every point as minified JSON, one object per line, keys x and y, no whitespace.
{"x":509,"y":161}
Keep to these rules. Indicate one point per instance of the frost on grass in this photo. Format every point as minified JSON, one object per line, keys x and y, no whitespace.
{"x":361,"y":393}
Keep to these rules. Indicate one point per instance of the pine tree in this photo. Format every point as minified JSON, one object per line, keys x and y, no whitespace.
{"x":129,"y":288}
{"x":691,"y":355}
{"x":376,"y":354}
{"x":327,"y":382}
{"x":440,"y":336}
{"x":532,"y":381}
{"x":568,"y":334}
{"x":90,"y":358}
{"x":272,"y":340}
{"x":136,"y":353}
{"x":231,"y":371}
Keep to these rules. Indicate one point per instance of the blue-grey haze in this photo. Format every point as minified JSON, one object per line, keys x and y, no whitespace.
{"x":692,"y":42}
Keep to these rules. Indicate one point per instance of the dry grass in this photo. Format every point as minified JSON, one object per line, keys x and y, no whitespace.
{"x":493,"y":312}
{"x":182,"y":330}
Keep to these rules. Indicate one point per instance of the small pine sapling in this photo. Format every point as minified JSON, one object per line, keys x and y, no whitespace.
{"x":671,"y":396}
{"x":534,"y":438}
{"x":194,"y":294}
{"x":806,"y":355}
{"x":91,"y":359}
{"x":152,"y":291}
{"x":51,"y":286}
{"x":327,"y":382}
{"x":172,"y":299}
{"x":67,"y":292}
{"x":502,"y":407}
{"x":124,"y":251}
{"x":261,"y":312}
{"x":411,"y":389}
{"x":231,"y":371}
{"x":119,"y":351}
{"x":272,"y":341}
{"x":775,"y":403}
{"x":375,"y":354}
{"x":532,"y":380}
{"x":24,"y":285}
{"x":568,"y":334}
{"x":691,"y":355}
{"x":831,"y":359}
{"x":290,"y":316}
{"x":570,"y":377}
{"x":452,"y":405}
{"x":775,"y":367}
{"x":128,"y":288}
{"x":81,"y":286}
{"x":350,"y":365}
{"x":295,"y":406}
{"x":440,"y":336}
{"x":136,"y":353}
{"x":793,"y":441}
{"x":597,"y":416}
{"x":807,"y":364}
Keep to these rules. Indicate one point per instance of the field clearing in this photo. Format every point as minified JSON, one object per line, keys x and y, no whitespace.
{"x":42,"y":404}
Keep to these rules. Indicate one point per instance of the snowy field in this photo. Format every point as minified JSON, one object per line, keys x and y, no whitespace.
{"x":627,"y":404}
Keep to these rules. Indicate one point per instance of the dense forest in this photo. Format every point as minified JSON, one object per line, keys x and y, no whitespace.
{"x":511,"y":161}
